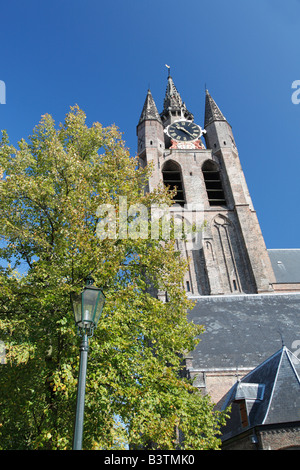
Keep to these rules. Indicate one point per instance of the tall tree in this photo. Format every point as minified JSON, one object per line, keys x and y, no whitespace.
{"x":57,"y":227}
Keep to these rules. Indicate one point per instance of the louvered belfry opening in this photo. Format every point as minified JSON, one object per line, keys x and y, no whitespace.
{"x":213,"y":184}
{"x":173,"y":179}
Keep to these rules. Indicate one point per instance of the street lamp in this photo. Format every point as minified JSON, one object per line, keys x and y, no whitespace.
{"x":87,"y":308}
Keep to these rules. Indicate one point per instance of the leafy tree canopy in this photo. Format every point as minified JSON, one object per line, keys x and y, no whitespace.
{"x":51,"y":188}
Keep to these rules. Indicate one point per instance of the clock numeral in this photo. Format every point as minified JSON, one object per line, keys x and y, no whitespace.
{"x":184,"y":131}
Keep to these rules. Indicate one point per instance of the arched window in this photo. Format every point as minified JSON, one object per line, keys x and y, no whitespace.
{"x":172,"y":177}
{"x":213,"y":184}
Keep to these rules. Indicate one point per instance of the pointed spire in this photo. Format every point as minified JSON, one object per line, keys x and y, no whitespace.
{"x":149,"y":110}
{"x":172,"y":97}
{"x":173,"y":101}
{"x":212,"y":111}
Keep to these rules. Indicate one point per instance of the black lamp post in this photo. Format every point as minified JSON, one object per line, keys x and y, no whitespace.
{"x":87,"y":308}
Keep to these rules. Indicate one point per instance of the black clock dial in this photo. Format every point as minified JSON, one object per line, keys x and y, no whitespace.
{"x":184,"y":131}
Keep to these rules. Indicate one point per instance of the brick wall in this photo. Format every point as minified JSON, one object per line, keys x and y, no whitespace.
{"x":266,"y":437}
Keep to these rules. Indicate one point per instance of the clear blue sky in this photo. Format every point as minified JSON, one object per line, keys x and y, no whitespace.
{"x":103,"y":56}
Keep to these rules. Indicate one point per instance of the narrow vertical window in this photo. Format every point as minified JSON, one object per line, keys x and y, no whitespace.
{"x":213,"y":184}
{"x":173,"y":179}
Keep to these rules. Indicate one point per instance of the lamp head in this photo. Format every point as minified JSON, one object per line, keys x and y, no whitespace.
{"x":88,"y":306}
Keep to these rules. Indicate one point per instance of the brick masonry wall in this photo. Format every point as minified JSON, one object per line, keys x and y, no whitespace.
{"x":218,"y":383}
{"x":286,"y":287}
{"x":282,"y":436}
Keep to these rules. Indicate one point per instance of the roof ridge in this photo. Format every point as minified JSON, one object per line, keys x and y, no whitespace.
{"x":262,"y":364}
{"x":282,"y":249}
{"x":290,"y":356}
{"x":274,"y":383}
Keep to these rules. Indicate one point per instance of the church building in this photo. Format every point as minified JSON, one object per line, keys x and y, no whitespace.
{"x":247,"y":297}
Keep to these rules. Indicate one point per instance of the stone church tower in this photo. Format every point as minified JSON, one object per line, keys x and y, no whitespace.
{"x":246,"y":297}
{"x":204,"y":166}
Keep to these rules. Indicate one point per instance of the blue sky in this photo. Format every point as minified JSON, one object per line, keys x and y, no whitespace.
{"x":103,"y":56}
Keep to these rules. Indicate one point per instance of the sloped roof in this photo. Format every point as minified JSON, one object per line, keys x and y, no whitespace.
{"x":149,"y":111}
{"x":279,"y":376}
{"x":241,"y":331}
{"x":212,"y":110}
{"x":286,"y":265}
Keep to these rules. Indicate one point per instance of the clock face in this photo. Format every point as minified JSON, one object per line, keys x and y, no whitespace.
{"x":184,"y":131}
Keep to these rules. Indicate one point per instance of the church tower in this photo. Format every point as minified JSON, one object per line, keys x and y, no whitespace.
{"x":203,"y":164}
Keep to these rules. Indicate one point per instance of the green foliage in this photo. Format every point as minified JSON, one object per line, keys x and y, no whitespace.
{"x":50,"y":190}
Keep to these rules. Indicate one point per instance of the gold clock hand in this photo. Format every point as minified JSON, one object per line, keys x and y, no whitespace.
{"x":185,"y":130}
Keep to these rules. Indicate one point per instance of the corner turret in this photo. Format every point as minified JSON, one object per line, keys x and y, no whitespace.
{"x":218,"y":130}
{"x":150,"y":128}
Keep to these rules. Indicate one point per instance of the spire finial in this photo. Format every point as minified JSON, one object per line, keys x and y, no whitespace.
{"x":169,"y":70}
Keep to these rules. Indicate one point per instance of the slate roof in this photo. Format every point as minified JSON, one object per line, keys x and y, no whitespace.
{"x":242,"y":331}
{"x":149,"y":111}
{"x":212,"y":111}
{"x":286,"y":265}
{"x":279,"y":399}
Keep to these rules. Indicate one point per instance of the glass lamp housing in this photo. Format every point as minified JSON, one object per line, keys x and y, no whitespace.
{"x":87,"y":307}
